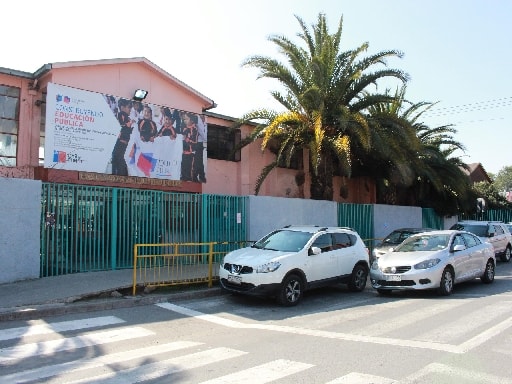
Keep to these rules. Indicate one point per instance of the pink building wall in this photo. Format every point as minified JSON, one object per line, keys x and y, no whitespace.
{"x":120,"y":77}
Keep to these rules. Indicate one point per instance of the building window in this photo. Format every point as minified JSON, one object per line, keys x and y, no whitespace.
{"x":9,"y":121}
{"x":222,"y":142}
{"x":295,"y":161}
{"x":42,"y":129}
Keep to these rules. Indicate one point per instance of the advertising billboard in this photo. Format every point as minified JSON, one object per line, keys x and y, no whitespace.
{"x":94,"y":132}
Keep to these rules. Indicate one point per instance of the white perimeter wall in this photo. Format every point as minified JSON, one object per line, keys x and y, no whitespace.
{"x":386,"y":218}
{"x":20,"y":200}
{"x":269,"y":213}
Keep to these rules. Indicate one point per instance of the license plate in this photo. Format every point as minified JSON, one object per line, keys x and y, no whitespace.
{"x":235,"y":279}
{"x":393,"y":278}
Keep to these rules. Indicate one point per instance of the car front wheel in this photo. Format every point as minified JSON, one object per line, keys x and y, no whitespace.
{"x":291,"y":291}
{"x":358,"y":279}
{"x":506,"y":255}
{"x":446,"y":286}
{"x":488,"y":276}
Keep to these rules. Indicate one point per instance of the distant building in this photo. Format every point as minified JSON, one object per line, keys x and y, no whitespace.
{"x":477,"y":173}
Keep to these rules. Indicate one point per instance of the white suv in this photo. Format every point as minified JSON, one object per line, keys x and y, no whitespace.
{"x":291,"y":260}
{"x":494,"y":232}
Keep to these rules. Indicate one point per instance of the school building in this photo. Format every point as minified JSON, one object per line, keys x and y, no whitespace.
{"x":24,"y":128}
{"x":70,"y":207}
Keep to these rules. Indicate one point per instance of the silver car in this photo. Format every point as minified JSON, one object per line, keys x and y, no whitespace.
{"x":434,"y":260}
{"x":494,"y":232}
{"x":395,"y":238}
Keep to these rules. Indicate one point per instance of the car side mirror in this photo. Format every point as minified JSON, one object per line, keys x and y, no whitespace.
{"x":490,"y":234}
{"x":458,"y":247}
{"x":314,"y":251}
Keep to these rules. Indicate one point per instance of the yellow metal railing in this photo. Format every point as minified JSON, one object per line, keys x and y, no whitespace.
{"x":158,"y":265}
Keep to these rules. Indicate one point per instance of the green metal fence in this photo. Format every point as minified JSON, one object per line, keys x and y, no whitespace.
{"x":430,"y":219}
{"x":358,"y":217}
{"x":504,"y":215}
{"x":90,"y":228}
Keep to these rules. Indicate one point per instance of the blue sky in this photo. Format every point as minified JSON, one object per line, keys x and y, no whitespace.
{"x":457,"y":52}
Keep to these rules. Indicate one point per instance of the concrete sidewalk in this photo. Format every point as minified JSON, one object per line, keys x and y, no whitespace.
{"x":81,"y":292}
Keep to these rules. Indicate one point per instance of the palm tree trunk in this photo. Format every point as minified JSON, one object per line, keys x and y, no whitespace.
{"x":321,"y":181}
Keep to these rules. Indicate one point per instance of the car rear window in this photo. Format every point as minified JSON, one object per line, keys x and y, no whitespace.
{"x":343,"y":240}
{"x":479,"y":230}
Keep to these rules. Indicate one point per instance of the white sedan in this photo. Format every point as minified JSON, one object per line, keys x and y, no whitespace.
{"x":434,"y":260}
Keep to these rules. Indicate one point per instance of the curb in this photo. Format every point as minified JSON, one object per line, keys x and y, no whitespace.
{"x":74,"y":305}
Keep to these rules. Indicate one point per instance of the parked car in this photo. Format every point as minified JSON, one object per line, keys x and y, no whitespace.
{"x":434,"y":260}
{"x":494,"y":232}
{"x":293,"y":259}
{"x":395,"y":238}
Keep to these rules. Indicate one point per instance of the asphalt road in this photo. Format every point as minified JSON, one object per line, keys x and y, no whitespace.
{"x":333,"y":336}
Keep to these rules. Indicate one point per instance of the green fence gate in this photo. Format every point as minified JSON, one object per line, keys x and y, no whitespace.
{"x":358,"y":217}
{"x":90,"y":228}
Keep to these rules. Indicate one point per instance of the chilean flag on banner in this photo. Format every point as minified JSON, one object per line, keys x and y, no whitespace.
{"x":146,"y":163}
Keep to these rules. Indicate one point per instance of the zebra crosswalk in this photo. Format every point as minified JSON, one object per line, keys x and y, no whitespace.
{"x":131,"y":365}
{"x":107,"y":349}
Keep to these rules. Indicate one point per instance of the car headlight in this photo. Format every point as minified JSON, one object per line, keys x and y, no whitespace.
{"x":269,"y":267}
{"x":375,"y":265}
{"x":427,"y":264}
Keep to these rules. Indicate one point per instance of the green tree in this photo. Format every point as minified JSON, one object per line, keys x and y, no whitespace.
{"x":326,"y":96}
{"x":414,"y":164}
{"x":503,"y":179}
{"x":491,"y":195}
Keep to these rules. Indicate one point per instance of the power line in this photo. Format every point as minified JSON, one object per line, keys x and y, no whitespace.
{"x":471,"y":107}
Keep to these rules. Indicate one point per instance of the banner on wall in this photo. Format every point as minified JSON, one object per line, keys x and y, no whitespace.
{"x":94,"y":132}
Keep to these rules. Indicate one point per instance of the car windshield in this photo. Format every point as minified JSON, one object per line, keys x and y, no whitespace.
{"x":424,"y":243}
{"x":283,"y":240}
{"x":479,"y":230}
{"x":396,"y":237}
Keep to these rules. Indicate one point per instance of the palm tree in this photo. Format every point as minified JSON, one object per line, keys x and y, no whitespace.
{"x":326,"y":94}
{"x":421,"y":166}
{"x":441,"y":182}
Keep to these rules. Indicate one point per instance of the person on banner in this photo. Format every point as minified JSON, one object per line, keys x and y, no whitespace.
{"x":167,"y":125}
{"x":190,"y":136}
{"x":147,"y":127}
{"x":198,"y":171}
{"x":119,"y":166}
{"x":136,"y":113}
{"x":178,"y":124}
{"x":140,"y":155}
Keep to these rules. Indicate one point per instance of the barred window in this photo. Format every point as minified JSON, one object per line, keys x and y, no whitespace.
{"x":222,"y":142}
{"x":9,"y":121}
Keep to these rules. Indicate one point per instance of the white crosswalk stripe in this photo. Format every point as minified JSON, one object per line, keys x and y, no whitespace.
{"x":63,"y":326}
{"x":261,"y":374}
{"x":464,"y":325}
{"x":51,"y":347}
{"x":380,"y":328}
{"x":361,"y":378}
